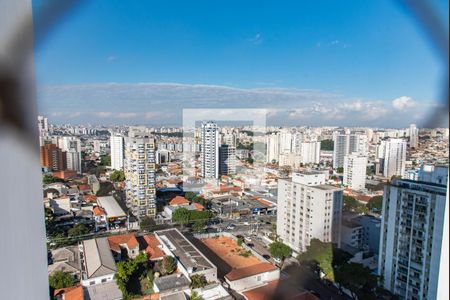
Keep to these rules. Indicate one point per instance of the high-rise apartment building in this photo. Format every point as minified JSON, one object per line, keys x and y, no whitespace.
{"x":42,"y":125}
{"x":210,"y":150}
{"x":345,"y":144}
{"x":53,"y":158}
{"x":227,"y":160}
{"x":273,"y":147}
{"x":394,"y":157}
{"x":355,"y":166}
{"x":413,"y":136}
{"x":410,"y":258}
{"x":310,"y":152}
{"x":139,"y":167}
{"x":116,"y":145}
{"x":308,"y":209}
{"x":72,"y":146}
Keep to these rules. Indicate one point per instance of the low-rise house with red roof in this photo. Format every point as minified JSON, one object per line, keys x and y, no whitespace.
{"x":252,"y":276}
{"x":150,"y":244}
{"x":179,"y":201}
{"x":100,"y":218}
{"x":123,"y":246}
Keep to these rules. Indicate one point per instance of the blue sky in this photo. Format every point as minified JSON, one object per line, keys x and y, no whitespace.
{"x":287,"y":57}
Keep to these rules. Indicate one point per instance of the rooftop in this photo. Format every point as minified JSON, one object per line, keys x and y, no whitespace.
{"x":103,"y":291}
{"x":98,"y":259}
{"x":188,"y":255}
{"x":173,"y":282}
{"x":112,"y":208}
{"x":227,"y":249}
{"x":248,"y":271}
{"x":115,"y":241}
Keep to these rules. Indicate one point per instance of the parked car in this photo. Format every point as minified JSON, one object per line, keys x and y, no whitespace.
{"x":231,"y":227}
{"x":277,"y":260}
{"x":247,"y":239}
{"x":266,"y":256}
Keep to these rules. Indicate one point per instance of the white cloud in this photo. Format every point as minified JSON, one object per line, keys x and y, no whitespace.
{"x":256,"y":40}
{"x":111,"y":58}
{"x":126,"y":115}
{"x":163,"y":103}
{"x":103,"y":114}
{"x":403,"y":103}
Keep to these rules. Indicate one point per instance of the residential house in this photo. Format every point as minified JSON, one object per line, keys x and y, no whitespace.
{"x":97,"y":262}
{"x":100,"y":218}
{"x":123,"y":246}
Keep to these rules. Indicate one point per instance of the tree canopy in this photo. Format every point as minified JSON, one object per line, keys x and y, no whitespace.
{"x":147,"y":223}
{"x":105,"y":189}
{"x":327,"y":145}
{"x":60,"y":279}
{"x":198,"y":281}
{"x":47,"y":179}
{"x":168,"y":265}
{"x":181,"y":216}
{"x":375,"y":204}
{"x":77,"y":230}
{"x":350,"y":204}
{"x":105,"y":160}
{"x":319,"y":256}
{"x":190,"y":196}
{"x":129,"y":271}
{"x":280,"y":250}
{"x":199,"y":225}
{"x":117,"y":175}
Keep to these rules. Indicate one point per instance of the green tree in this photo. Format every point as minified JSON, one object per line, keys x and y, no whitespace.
{"x":353,"y":205}
{"x":105,"y":189}
{"x":195,"y":296}
{"x":60,"y":279}
{"x":349,"y":203}
{"x":117,"y":176}
{"x":340,"y":170}
{"x":327,"y":145}
{"x":127,"y":271}
{"x":181,"y":216}
{"x":78,"y":230}
{"x":200,"y":215}
{"x":147,"y":223}
{"x":198,"y":281}
{"x":200,"y":200}
{"x":168,"y":265}
{"x":358,"y":279}
{"x":190,"y":195}
{"x":198,"y":226}
{"x":47,"y":179}
{"x":105,"y":160}
{"x":280,"y":251}
{"x":375,"y":203}
{"x":319,"y":256}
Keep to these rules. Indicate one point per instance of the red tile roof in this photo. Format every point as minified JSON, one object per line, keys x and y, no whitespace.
{"x":240,"y":273}
{"x":99,"y":211}
{"x":179,"y":200}
{"x":90,"y":198}
{"x":151,"y":246}
{"x":198,"y":206}
{"x":265,"y":292}
{"x":84,"y":187}
{"x":70,"y":293}
{"x":116,"y":240}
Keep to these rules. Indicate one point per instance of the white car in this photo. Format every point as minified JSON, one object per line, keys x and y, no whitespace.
{"x":277,"y":260}
{"x":246,"y":223}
